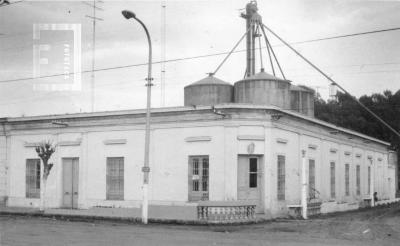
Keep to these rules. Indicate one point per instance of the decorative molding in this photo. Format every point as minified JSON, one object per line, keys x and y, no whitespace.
{"x":114,"y":141}
{"x":250,"y":148}
{"x":312,"y":146}
{"x":198,"y":139}
{"x":70,"y":143}
{"x":251,"y":137}
{"x":347,"y":153}
{"x":31,"y":144}
{"x":358,"y":155}
{"x":281,"y":141}
{"x":333,"y":150}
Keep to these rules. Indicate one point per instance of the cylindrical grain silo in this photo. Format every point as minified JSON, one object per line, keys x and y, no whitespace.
{"x":263,"y":89}
{"x":302,"y":99}
{"x":208,"y":91}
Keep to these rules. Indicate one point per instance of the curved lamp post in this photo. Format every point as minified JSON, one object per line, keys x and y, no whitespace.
{"x":146,"y":169}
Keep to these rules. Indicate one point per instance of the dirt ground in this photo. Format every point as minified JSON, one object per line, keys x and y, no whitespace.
{"x":378,"y":226}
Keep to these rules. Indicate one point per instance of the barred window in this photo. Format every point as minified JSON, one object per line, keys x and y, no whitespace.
{"x":198,"y":178}
{"x":115,"y":178}
{"x":347,"y":179}
{"x":195,"y":173}
{"x":204,"y":179}
{"x":311,"y":178}
{"x":32,"y":178}
{"x":333,"y":180}
{"x":281,"y":177}
{"x":358,"y":181}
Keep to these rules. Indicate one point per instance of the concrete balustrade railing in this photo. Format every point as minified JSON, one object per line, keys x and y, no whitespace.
{"x":229,"y":211}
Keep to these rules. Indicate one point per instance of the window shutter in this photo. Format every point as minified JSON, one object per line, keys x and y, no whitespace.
{"x":190,"y":179}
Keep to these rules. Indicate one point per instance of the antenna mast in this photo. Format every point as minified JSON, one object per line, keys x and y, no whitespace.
{"x":94,"y":19}
{"x":163,"y":50}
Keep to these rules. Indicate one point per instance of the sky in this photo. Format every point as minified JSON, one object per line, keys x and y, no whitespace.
{"x":362,"y":64}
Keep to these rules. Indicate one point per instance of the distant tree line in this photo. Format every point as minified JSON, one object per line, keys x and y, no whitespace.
{"x":345,"y":112}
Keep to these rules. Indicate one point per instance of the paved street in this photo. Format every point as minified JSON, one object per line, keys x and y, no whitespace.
{"x":380,"y":226}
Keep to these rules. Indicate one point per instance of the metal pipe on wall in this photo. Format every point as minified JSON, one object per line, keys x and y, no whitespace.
{"x":304,"y":184}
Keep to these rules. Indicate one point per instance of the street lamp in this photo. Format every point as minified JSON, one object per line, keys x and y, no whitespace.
{"x":146,"y":169}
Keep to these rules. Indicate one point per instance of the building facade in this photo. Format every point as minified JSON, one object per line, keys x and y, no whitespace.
{"x":223,"y":153}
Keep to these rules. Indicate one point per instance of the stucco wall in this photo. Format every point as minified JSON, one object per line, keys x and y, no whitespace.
{"x":222,"y":140}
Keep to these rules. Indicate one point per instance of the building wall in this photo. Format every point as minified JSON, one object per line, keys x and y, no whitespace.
{"x":290,"y":138}
{"x":168,"y":163}
{"x":222,"y":140}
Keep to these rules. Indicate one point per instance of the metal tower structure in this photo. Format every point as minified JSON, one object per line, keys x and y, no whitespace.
{"x":163,"y":51}
{"x":94,"y":19}
{"x":252,"y":20}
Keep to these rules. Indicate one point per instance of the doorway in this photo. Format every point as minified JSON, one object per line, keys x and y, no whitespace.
{"x":250,"y":180}
{"x":70,"y":182}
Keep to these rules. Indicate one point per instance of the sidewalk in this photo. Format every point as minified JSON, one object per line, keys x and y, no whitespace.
{"x":157,"y":214}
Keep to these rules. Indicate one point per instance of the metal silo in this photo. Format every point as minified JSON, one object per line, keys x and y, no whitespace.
{"x":302,"y":99}
{"x":208,"y":91}
{"x":263,"y":89}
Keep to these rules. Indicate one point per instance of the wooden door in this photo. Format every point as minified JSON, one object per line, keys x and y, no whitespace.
{"x":70,"y":182}
{"x":249,"y":180}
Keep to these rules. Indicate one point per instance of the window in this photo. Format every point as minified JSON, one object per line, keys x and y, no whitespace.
{"x":204,"y":179}
{"x":32,"y":178}
{"x":333,"y":180}
{"x":369,"y":180}
{"x":115,"y":178}
{"x":281,"y":177}
{"x":198,"y":178}
{"x":311,"y":179}
{"x":253,"y":172}
{"x":347,"y":179}
{"x":358,"y":183}
{"x":195,"y":174}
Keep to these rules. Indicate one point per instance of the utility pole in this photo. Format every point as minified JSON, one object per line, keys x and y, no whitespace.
{"x":94,"y":19}
{"x":163,"y":50}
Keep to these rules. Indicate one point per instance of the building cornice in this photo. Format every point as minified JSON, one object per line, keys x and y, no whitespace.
{"x":159,"y":113}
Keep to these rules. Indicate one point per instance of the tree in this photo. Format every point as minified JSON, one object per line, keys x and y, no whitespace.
{"x":44,"y":150}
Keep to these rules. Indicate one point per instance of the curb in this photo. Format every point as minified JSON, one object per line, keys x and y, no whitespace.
{"x":132,"y":220}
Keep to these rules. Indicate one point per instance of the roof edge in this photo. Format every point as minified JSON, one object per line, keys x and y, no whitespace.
{"x":185,"y":108}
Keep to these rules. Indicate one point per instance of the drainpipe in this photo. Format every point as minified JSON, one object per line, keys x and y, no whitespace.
{"x":304,"y":185}
{"x":7,"y":192}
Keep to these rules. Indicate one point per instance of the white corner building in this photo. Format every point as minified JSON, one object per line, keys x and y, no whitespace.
{"x":231,"y":151}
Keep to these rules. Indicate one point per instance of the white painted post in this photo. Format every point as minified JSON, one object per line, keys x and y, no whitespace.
{"x":304,"y":186}
{"x":145,"y":204}
{"x":372,"y":183}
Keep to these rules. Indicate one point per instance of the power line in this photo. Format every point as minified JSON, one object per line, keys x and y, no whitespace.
{"x":348,"y":35}
{"x":201,"y":56}
{"x":334,"y":82}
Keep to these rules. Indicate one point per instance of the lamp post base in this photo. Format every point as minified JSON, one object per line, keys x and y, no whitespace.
{"x":145,"y":204}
